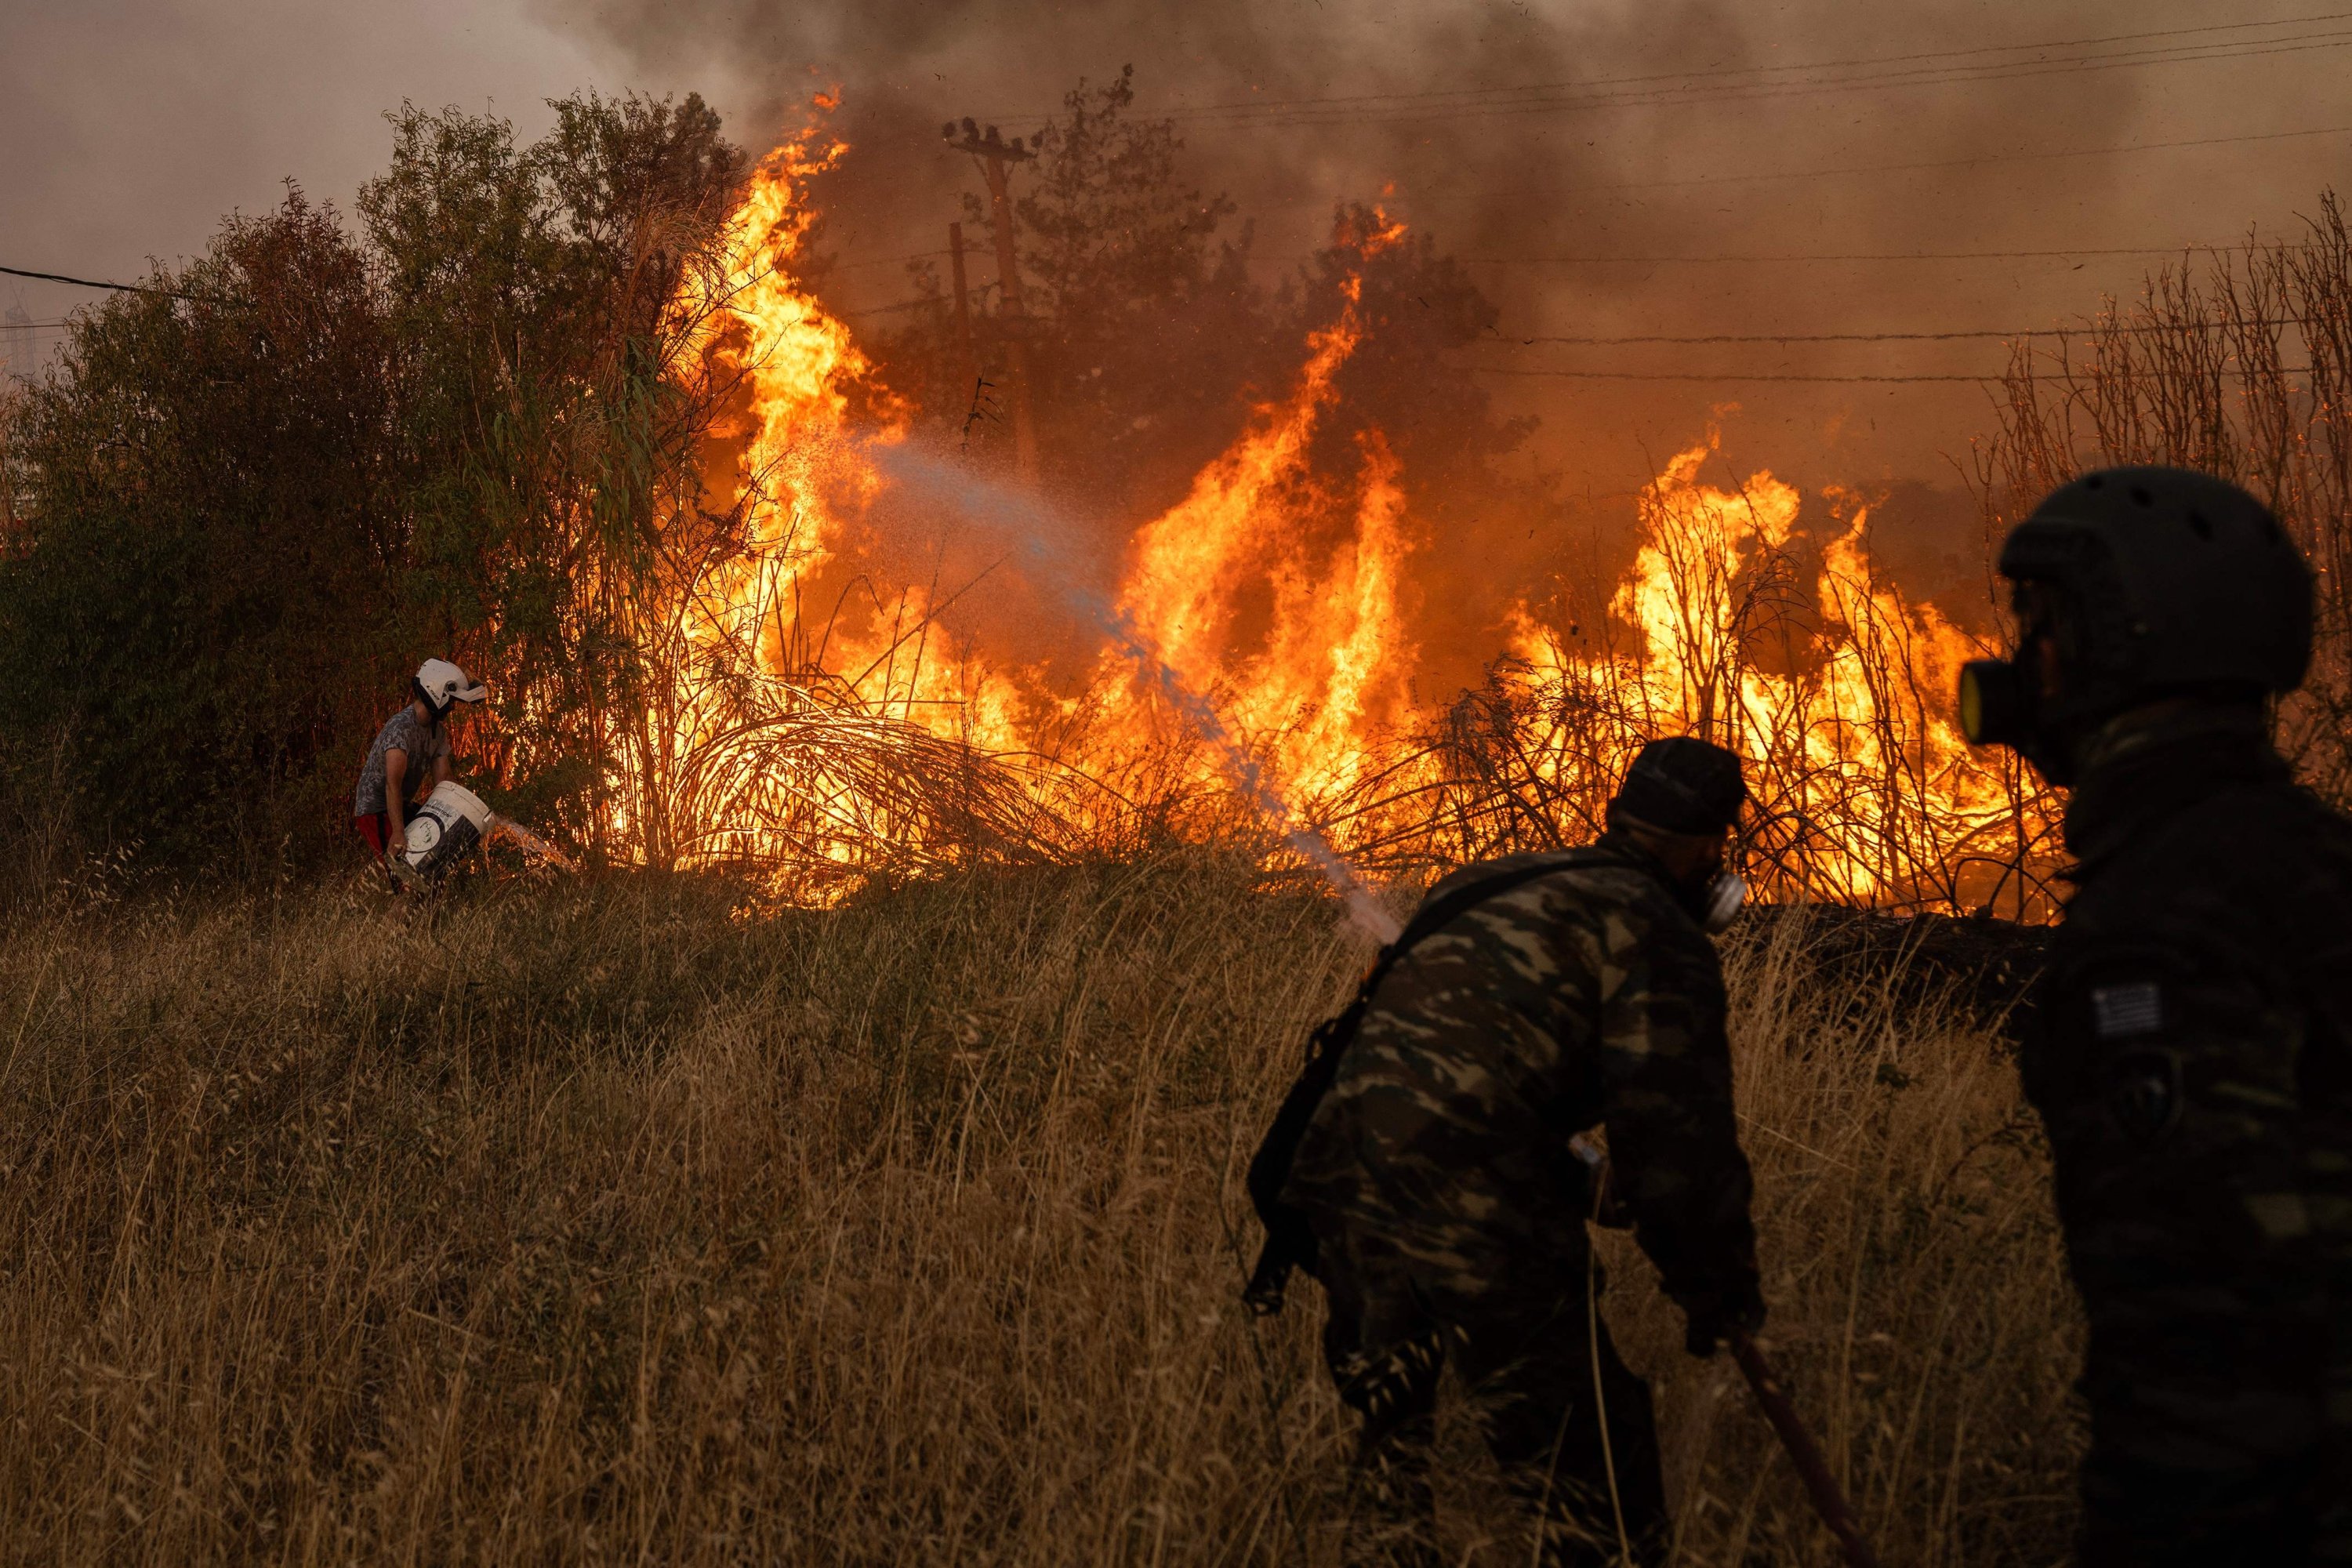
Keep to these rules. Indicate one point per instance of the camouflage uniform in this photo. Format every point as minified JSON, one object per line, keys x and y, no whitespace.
{"x":2192,"y":1063}
{"x":1448,"y":1205}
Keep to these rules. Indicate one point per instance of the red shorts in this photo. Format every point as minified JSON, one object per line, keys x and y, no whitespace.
{"x":373,"y":830}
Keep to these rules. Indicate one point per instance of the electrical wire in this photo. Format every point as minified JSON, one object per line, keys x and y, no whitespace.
{"x":1766,"y":90}
{"x":1260,"y":105}
{"x":1748,"y":376}
{"x":2091,"y":329}
{"x":1969,"y":163}
{"x":887,"y":260}
{"x":1653,"y":260}
{"x":1860,"y":256}
{"x":1761,"y":259}
{"x":100,"y":283}
{"x":1729,"y":375}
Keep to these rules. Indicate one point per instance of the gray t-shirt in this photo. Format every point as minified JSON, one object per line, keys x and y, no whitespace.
{"x":403,"y":731}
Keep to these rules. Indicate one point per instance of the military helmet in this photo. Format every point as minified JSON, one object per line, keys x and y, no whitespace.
{"x":2151,"y":581}
{"x":2173,"y":579}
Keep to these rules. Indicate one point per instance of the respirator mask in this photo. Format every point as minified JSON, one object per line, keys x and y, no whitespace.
{"x":2000,"y":698}
{"x":2001,"y":703}
{"x":1720,"y":904}
{"x":1997,"y":702}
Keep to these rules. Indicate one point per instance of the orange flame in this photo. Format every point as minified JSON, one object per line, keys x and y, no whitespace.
{"x":1305,"y":649}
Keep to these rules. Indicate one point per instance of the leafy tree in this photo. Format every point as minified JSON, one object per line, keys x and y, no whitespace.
{"x":1155,"y":323}
{"x":1144,"y":322}
{"x":199,"y":599}
{"x":1419,"y":308}
{"x":254,"y":496}
{"x":1150,"y":341}
{"x":548,"y":419}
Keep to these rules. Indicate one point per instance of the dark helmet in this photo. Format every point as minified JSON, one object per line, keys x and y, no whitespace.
{"x":1681,"y":784}
{"x":2148,"y":583}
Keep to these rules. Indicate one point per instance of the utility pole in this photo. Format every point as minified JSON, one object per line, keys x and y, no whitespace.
{"x":996,"y":157}
{"x":963,"y":310}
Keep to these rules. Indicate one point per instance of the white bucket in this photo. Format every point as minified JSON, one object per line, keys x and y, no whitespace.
{"x":445,"y":829}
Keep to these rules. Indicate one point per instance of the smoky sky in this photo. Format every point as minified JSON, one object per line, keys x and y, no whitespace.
{"x":127,"y":128}
{"x":1727,"y":174}
{"x":130,"y":127}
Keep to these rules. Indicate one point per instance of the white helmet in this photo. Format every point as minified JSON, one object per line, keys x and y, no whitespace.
{"x":444,"y":683}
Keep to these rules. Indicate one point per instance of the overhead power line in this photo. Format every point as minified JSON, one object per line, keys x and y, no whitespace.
{"x":1458,"y":94}
{"x":887,"y":260}
{"x":1980,"y":160}
{"x":2089,"y":330}
{"x":97,"y":283}
{"x":1762,"y":94}
{"x":1707,"y":375}
{"x":1693,"y":90}
{"x":1970,"y":163}
{"x":1745,"y":376}
{"x":1851,"y":256}
{"x":1771,"y":258}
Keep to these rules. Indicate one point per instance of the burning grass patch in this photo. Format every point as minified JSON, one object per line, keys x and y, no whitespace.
{"x":603,"y":1223}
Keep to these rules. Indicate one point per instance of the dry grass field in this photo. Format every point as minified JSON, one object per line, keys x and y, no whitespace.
{"x":599,"y":1225}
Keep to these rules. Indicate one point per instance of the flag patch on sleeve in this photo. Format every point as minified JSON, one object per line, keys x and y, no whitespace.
{"x":2121,"y":1012}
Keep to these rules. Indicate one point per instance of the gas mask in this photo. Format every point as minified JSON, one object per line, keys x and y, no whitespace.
{"x":1725,"y":896}
{"x":1997,"y":701}
{"x":2001,"y":703}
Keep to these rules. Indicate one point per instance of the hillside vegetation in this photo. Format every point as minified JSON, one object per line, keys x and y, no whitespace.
{"x":606,"y":1224}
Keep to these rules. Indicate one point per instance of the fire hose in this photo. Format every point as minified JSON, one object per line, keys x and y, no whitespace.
{"x":1828,"y":1501}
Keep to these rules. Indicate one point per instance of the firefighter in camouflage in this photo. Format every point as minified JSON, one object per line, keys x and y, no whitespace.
{"x":2192,"y":1050}
{"x":1447,"y":1204}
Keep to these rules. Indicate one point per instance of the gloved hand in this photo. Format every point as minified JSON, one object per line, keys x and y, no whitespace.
{"x":1712,"y":1317}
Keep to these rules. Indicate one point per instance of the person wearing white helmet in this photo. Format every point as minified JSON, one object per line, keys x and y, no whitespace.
{"x":411,"y":754}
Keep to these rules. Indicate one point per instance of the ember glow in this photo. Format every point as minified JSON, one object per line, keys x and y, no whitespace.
{"x":824,"y":744}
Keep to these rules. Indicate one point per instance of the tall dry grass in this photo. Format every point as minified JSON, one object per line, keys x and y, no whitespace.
{"x":599,"y":1224}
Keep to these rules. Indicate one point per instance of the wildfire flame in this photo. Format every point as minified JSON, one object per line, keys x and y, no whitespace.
{"x":1865,"y":786}
{"x":1865,"y":791}
{"x":1328,"y":679}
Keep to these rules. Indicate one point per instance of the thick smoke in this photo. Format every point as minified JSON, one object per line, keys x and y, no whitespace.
{"x":1723,"y":167}
{"x":1661,"y":180}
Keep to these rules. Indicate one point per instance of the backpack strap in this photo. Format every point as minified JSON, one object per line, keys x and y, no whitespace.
{"x":1289,"y":1240}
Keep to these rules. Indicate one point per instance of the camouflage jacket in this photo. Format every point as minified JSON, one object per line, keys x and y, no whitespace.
{"x":1589,"y":997}
{"x":2191,"y":1056}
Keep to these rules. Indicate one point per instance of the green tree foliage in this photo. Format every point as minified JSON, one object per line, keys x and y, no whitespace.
{"x":258,"y":493}
{"x":202,"y":594}
{"x":476,"y":424}
{"x":546,"y":411}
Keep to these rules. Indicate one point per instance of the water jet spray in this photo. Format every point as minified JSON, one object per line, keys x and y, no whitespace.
{"x":1028,"y":518}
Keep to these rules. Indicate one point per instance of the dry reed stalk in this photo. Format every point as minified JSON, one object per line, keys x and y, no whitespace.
{"x":2240,"y":366}
{"x":603,"y":1223}
{"x":1860,"y":796}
